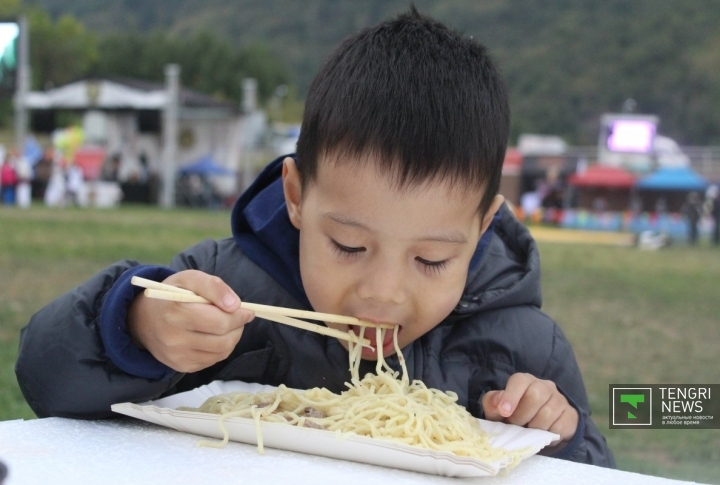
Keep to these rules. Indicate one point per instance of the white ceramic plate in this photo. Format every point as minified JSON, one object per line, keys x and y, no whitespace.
{"x":326,"y":443}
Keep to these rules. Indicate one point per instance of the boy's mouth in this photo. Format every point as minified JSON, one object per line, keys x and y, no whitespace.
{"x":370,"y":333}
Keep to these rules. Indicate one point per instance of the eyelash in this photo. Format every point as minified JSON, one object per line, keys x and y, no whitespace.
{"x":432,"y":267}
{"x":345,"y":251}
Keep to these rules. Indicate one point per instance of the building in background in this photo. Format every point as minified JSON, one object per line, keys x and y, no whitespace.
{"x":122,"y":125}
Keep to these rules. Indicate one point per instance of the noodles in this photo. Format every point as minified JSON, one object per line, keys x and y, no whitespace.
{"x":380,"y":406}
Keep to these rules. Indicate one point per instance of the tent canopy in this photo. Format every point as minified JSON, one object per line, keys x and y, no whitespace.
{"x":205,"y":166}
{"x":673,"y":178}
{"x":603,"y":176}
{"x":118,"y":93}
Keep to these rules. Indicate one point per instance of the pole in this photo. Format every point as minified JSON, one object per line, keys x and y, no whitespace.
{"x":249,"y":104}
{"x":170,"y":134}
{"x":22,"y":86}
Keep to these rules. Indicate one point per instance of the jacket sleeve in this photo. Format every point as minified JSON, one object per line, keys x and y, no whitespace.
{"x":588,"y":445}
{"x":64,"y":367}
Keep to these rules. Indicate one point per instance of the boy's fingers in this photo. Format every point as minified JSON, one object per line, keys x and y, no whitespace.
{"x":566,"y":424}
{"x":220,"y":294}
{"x":193,"y":351}
{"x":218,"y":326}
{"x":490,"y":405}
{"x":564,"y":417}
{"x":210,"y":287}
{"x":220,"y":346}
{"x":515,"y":389}
{"x":545,"y":409}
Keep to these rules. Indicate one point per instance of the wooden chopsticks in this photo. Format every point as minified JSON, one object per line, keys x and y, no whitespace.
{"x":162,"y":291}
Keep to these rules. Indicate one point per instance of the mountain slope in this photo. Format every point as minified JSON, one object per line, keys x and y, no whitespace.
{"x":565,"y":62}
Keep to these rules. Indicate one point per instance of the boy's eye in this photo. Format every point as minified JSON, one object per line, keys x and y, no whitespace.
{"x":345,"y":251}
{"x":434,"y":267}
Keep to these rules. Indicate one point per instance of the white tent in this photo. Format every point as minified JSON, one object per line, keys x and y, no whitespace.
{"x":97,"y":94}
{"x":124,"y":117}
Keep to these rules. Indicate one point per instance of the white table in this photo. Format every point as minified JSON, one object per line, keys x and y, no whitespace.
{"x":127,"y":451}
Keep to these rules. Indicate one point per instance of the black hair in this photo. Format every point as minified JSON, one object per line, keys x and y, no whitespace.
{"x":426,"y":102}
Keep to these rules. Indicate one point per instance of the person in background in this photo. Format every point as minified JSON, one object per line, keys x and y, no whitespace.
{"x":692,"y":210}
{"x":111,"y":169}
{"x":144,"y":174}
{"x":636,"y":205}
{"x":712,"y":208}
{"x":74,"y":184}
{"x":600,"y":205}
{"x":8,"y":181}
{"x":23,"y":193}
{"x":530,"y":203}
{"x":661,"y":206}
{"x":42,"y":173}
{"x":54,"y":195}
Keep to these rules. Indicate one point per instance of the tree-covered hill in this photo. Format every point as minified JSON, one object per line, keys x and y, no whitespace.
{"x":566,"y":62}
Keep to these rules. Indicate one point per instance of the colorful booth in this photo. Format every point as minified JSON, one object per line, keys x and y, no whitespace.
{"x":666,"y":189}
{"x":611,"y":185}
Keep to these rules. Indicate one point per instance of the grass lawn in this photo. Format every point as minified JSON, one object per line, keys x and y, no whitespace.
{"x":641,"y":317}
{"x":46,"y":252}
{"x":633,"y":317}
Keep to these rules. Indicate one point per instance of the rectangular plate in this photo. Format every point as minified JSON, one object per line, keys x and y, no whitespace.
{"x":327,"y":443}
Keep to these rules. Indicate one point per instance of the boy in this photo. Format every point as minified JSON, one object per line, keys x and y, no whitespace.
{"x":389,"y":212}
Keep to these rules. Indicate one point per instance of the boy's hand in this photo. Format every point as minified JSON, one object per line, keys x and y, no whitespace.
{"x":535,"y":403}
{"x":189,"y":337}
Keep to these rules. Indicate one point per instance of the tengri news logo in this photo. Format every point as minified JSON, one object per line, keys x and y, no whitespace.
{"x":632,"y":406}
{"x":665,"y":406}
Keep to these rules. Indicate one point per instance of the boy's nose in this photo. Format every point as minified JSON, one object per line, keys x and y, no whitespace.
{"x":384,"y":283}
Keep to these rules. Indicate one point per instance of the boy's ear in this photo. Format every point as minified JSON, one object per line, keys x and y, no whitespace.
{"x":488,"y":216}
{"x":292,"y":188}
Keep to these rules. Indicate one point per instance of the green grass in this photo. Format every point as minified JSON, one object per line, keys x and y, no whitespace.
{"x":632,"y":316}
{"x":641,"y":317}
{"x":46,"y":252}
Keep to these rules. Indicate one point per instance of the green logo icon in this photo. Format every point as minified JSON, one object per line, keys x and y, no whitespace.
{"x":633,"y":400}
{"x":631,"y":406}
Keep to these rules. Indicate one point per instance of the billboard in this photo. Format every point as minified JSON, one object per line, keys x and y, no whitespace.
{"x":628,"y":141}
{"x":9,"y":41}
{"x":630,"y":136}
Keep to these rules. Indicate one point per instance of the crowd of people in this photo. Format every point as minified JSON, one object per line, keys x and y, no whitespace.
{"x":691,"y":220}
{"x":54,"y":183}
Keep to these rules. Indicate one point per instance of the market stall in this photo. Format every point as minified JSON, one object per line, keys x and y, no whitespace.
{"x":603,"y":185}
{"x":666,"y":189}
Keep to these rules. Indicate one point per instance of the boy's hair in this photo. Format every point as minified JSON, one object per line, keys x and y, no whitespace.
{"x":425,"y":102}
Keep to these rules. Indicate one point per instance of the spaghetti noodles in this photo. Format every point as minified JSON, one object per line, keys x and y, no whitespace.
{"x":380,"y":406}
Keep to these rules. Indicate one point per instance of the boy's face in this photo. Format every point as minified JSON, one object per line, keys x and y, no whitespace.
{"x":378,"y":253}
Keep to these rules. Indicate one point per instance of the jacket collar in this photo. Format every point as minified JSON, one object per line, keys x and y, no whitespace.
{"x":262,"y":228}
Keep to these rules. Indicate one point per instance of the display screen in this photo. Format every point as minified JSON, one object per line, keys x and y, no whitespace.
{"x":631,"y":136}
{"x":9,"y":37}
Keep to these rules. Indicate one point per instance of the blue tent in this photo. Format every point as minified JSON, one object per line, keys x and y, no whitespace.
{"x":673,"y":178}
{"x":206,"y":166}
